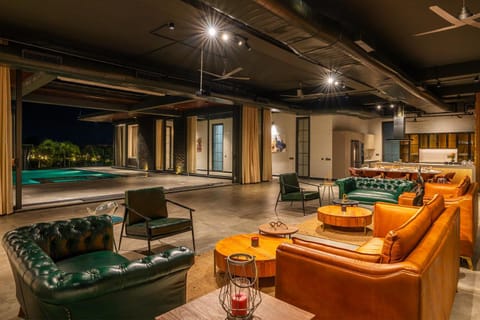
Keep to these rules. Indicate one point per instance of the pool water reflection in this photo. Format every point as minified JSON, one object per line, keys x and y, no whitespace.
{"x":61,"y":175}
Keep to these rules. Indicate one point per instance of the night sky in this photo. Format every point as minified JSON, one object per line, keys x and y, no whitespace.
{"x":42,"y":122}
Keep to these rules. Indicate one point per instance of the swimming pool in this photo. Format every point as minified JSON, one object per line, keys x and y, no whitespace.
{"x":61,"y":175}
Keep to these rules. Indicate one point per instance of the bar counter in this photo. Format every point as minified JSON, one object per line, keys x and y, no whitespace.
{"x":442,"y":168}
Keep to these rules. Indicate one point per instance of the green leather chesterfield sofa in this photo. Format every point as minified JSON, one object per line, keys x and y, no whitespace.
{"x":68,"y":270}
{"x":371,"y":190}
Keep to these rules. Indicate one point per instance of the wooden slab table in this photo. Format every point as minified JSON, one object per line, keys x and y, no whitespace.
{"x":208,"y":307}
{"x":352,"y":217}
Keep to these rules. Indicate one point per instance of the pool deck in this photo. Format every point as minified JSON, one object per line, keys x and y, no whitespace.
{"x":56,"y":194}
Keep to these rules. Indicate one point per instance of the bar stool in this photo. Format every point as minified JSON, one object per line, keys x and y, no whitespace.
{"x":328,"y":187}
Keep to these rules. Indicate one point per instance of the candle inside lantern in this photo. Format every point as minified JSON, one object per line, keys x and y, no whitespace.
{"x":239,"y":304}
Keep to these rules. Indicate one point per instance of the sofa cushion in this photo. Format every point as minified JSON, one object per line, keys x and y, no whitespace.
{"x":369,"y":196}
{"x":87,"y":261}
{"x":295,"y":196}
{"x":160,"y":226}
{"x":400,"y":242}
{"x":372,"y":246}
{"x":367,"y":257}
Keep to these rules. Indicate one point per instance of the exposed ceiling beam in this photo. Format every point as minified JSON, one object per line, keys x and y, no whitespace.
{"x":156,"y":102}
{"x":470,"y":88}
{"x":154,"y":92}
{"x":458,"y":70}
{"x":69,"y":101}
{"x":36,"y":81}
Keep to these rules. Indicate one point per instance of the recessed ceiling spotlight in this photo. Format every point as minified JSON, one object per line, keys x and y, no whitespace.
{"x":212,"y":31}
{"x":248,"y":47}
{"x":336,"y":83}
{"x":240,"y":42}
{"x":171,"y":26}
{"x":379,"y":107}
{"x":438,"y":84}
{"x":476,"y":79}
{"x":330,"y":80}
{"x":392,"y":106}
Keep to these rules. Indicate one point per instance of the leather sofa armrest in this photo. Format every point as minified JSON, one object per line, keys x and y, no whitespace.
{"x":345,"y":185}
{"x":406,"y":198}
{"x":388,"y":216}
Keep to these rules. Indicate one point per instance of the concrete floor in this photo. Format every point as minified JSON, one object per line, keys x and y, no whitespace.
{"x":221,"y":210}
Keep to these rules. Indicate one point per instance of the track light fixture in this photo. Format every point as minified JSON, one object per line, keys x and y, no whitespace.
{"x":476,"y":79}
{"x":226,"y":36}
{"x":171,"y":26}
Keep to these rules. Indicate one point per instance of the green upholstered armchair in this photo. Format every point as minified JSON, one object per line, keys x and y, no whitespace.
{"x":290,"y":190}
{"x":68,"y":270}
{"x":146,"y":216}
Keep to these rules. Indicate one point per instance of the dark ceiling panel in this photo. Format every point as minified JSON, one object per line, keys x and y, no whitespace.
{"x":291,"y":46}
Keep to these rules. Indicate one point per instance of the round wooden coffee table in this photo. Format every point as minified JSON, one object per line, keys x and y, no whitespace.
{"x":352,"y":217}
{"x":265,"y":253}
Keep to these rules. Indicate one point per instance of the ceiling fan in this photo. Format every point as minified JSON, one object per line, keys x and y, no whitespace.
{"x":300,"y":95}
{"x":227,"y":75}
{"x":464,"y":18}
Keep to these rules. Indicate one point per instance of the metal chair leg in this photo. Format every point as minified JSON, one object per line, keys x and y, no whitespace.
{"x":121,"y":236}
{"x":193,"y":240}
{"x":276,"y":203}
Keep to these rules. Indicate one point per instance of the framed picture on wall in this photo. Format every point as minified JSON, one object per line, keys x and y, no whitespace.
{"x":278,"y":144}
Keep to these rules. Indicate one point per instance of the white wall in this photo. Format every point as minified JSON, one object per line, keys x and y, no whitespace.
{"x":321,"y":141}
{"x":375,"y":128}
{"x":283,"y":162}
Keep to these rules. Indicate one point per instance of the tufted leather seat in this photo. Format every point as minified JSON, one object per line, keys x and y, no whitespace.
{"x":371,"y":190}
{"x":67,"y":270}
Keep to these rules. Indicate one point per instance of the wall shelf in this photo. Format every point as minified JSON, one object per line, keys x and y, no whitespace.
{"x":464,"y":142}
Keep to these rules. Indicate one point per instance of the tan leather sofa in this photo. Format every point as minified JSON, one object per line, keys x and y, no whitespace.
{"x":408,"y":270}
{"x":463,"y":194}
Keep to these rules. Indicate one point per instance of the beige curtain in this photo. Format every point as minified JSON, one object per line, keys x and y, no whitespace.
{"x":250,"y":145}
{"x":6,"y":183}
{"x":191,"y":144}
{"x":267,"y":141}
{"x":159,"y":145}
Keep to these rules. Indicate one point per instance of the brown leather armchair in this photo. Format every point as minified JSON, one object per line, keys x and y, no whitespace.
{"x":464,"y":195}
{"x":409,"y":270}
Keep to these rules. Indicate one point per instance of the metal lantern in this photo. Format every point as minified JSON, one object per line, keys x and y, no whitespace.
{"x":240,"y":296}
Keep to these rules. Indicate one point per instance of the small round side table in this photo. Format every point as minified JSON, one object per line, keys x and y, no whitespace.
{"x":277,"y":228}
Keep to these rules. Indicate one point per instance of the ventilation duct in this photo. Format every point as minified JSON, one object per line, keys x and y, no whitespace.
{"x":399,"y":123}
